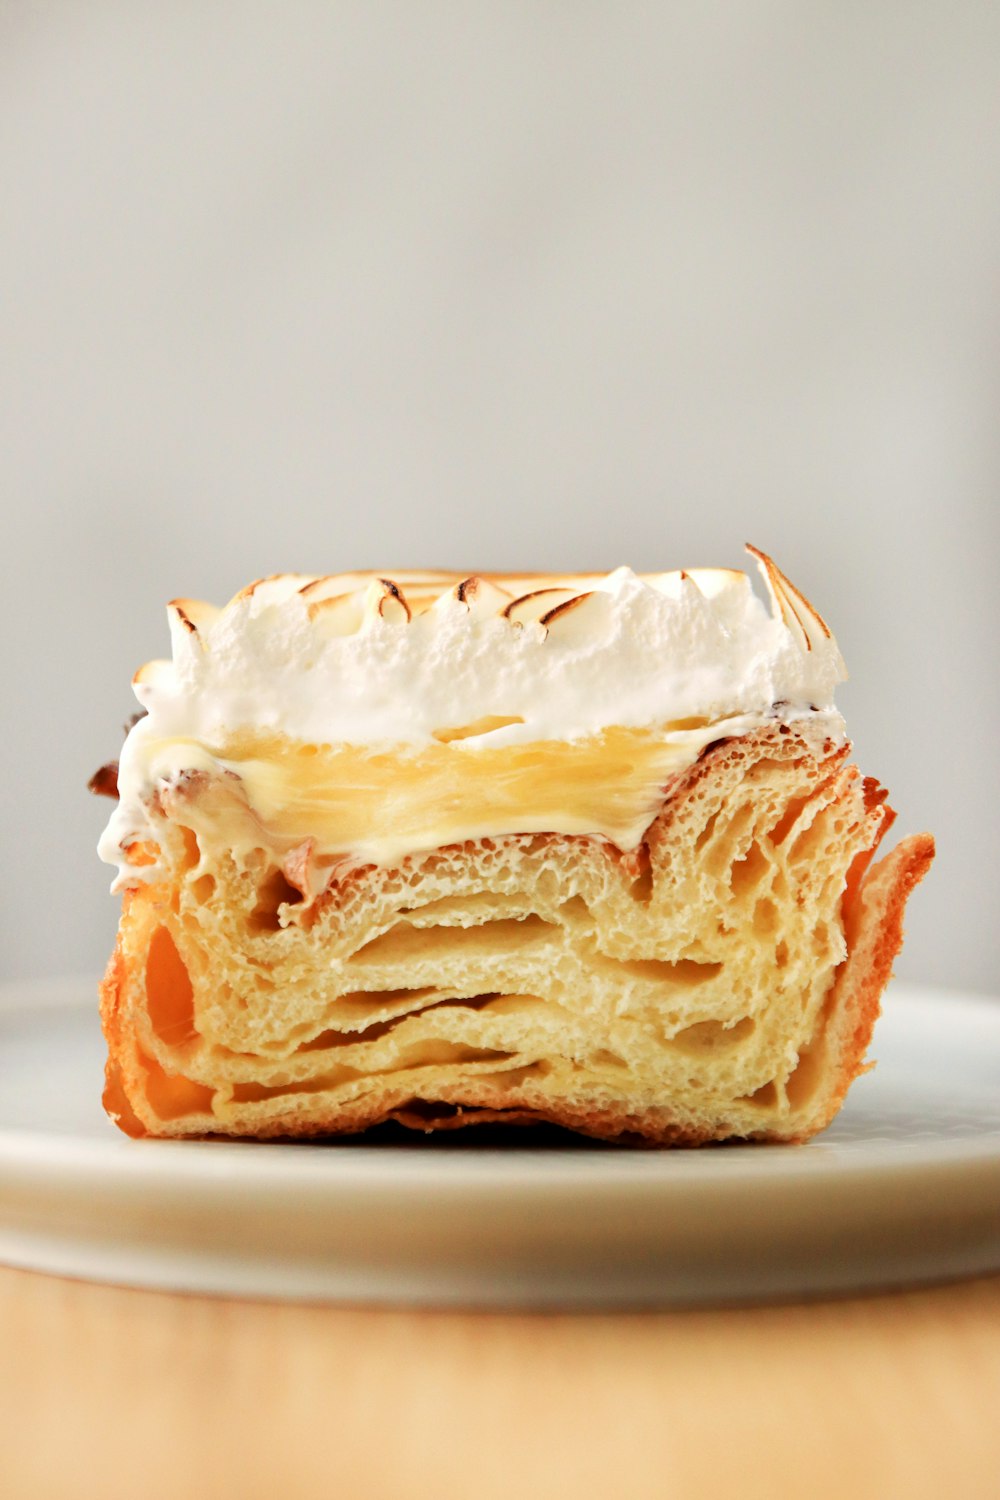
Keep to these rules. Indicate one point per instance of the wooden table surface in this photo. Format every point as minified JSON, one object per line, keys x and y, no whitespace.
{"x":111,"y":1393}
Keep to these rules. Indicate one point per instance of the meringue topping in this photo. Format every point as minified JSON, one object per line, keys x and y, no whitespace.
{"x":448,"y":707}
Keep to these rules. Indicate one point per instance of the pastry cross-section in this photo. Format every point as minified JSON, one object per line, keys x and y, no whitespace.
{"x":443,"y":850}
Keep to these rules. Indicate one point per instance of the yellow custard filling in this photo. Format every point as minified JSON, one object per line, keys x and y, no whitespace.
{"x":378,"y":805}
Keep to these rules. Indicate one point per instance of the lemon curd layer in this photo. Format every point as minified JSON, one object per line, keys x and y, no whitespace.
{"x":376,"y":806}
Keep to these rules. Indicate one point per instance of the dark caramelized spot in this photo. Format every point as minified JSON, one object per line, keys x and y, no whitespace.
{"x":104,"y":782}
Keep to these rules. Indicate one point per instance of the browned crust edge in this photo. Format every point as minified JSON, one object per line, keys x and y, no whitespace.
{"x":873,"y":921}
{"x":118,"y":1089}
{"x":874,"y":906}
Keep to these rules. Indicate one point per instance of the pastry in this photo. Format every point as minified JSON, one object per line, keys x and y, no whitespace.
{"x":444,"y":850}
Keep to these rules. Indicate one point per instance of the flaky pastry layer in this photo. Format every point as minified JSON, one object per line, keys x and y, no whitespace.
{"x":721,"y":980}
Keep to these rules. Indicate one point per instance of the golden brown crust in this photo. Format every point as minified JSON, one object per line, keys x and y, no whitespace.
{"x":871,"y":906}
{"x":118,"y":1090}
{"x":873,"y":919}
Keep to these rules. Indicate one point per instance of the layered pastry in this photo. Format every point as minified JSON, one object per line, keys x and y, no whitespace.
{"x":444,"y":850}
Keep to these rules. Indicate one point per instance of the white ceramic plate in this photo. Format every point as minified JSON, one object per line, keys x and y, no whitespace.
{"x":903,"y":1188}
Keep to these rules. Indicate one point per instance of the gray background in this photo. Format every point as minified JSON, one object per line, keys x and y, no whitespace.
{"x":512,"y":285}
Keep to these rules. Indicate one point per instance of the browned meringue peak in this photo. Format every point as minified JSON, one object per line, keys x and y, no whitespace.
{"x":343,"y":603}
{"x":803,"y":620}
